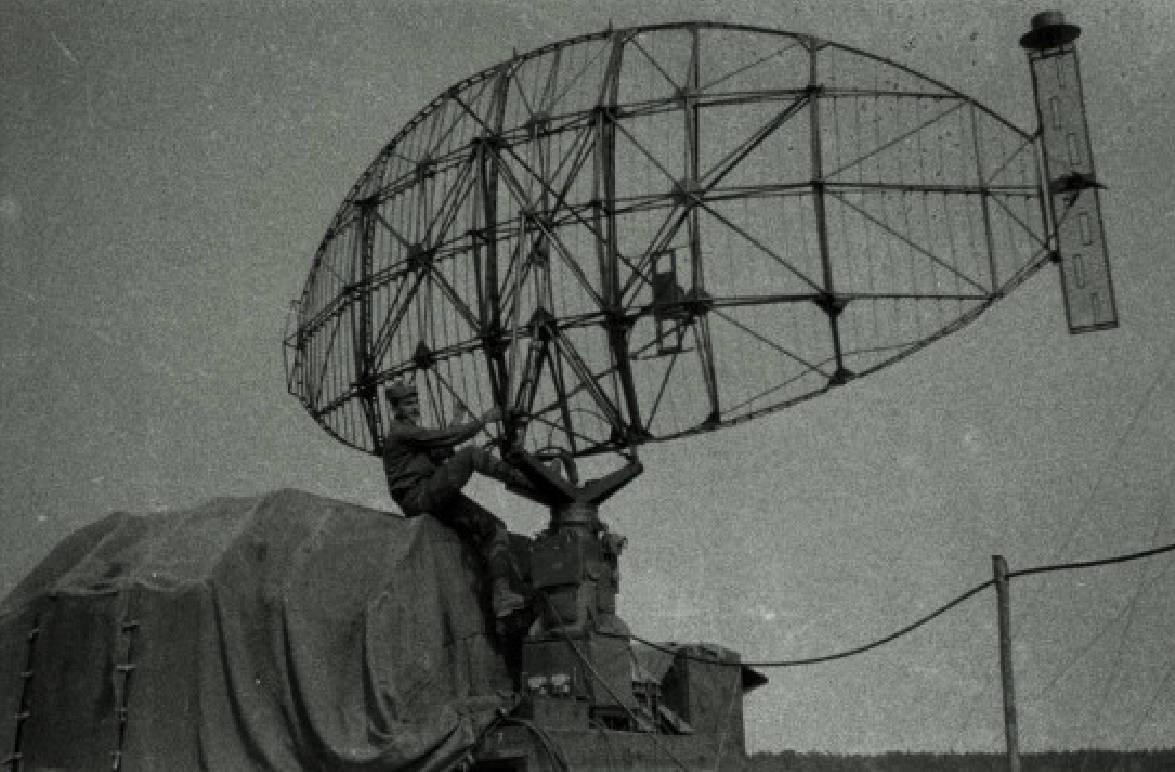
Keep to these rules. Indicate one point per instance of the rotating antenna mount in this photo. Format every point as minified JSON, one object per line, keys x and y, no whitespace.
{"x":575,"y":659}
{"x":570,"y":504}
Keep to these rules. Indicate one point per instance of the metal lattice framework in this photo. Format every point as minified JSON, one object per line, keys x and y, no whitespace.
{"x":644,"y":233}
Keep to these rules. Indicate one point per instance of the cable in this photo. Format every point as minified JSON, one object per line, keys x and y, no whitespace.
{"x":1143,"y":588}
{"x":1079,"y":522}
{"x":904,"y":630}
{"x":1118,"y":445}
{"x":550,"y":745}
{"x":499,"y":717}
{"x":1092,"y":563}
{"x":587,"y":663}
{"x":1159,"y":691}
{"x":829,"y":657}
{"x":1115,"y":668}
{"x":1130,"y":611}
{"x":502,"y":717}
{"x":1066,"y":669}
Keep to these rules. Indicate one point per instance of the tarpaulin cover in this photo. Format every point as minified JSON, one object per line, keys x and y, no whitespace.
{"x":283,"y":632}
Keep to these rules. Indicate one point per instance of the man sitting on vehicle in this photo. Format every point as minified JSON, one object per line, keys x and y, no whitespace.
{"x":426,"y":474}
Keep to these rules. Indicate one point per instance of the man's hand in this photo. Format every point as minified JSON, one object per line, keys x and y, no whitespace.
{"x":461,"y":414}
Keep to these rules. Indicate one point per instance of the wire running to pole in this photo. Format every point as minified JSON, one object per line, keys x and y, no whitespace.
{"x":913,"y":625}
{"x":874,"y":644}
{"x":1092,"y":563}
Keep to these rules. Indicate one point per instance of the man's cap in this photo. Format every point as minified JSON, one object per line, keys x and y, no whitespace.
{"x":398,"y":390}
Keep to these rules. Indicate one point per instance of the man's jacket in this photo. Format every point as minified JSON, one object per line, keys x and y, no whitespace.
{"x":411,"y":452}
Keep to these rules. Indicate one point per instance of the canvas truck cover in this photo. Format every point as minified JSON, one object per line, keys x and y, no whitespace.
{"x":283,"y":632}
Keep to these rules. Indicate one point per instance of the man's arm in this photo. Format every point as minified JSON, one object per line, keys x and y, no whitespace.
{"x":423,"y":438}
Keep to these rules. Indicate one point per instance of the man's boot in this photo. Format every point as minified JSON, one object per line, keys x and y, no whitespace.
{"x":501,"y":565}
{"x":505,"y":600}
{"x":485,"y":463}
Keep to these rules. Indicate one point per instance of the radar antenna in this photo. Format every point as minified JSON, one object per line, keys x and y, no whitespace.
{"x":642,"y":234}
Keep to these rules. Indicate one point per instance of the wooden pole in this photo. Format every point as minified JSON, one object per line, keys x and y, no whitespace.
{"x":1011,"y":730}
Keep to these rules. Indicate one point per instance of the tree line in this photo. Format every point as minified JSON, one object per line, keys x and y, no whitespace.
{"x":1090,"y":760}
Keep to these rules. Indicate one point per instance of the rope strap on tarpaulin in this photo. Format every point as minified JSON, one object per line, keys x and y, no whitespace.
{"x":913,"y":625}
{"x":163,"y":637}
{"x":124,"y":671}
{"x":22,"y":712}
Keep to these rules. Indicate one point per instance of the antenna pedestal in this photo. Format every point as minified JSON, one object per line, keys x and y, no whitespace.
{"x":576,"y":664}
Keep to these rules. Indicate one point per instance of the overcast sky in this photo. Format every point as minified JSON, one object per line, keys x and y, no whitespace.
{"x":168,"y":168}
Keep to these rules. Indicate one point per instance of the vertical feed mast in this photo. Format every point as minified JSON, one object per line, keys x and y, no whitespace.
{"x":1073,"y":205}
